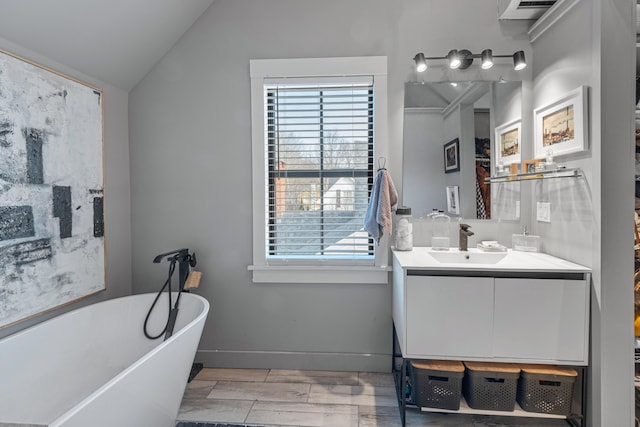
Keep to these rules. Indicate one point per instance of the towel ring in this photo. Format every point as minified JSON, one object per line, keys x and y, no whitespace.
{"x":382,"y":163}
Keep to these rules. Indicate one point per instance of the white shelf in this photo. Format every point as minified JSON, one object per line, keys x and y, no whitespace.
{"x":517,"y":412}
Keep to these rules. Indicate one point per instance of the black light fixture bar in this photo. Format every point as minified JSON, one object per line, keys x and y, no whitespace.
{"x":462,"y":59}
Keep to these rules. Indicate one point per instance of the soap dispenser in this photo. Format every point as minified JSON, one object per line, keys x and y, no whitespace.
{"x":525,"y":242}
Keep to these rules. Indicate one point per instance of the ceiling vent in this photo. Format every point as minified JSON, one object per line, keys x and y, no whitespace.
{"x":523,"y":9}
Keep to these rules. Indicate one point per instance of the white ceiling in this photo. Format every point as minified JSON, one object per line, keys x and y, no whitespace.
{"x":116,"y":41}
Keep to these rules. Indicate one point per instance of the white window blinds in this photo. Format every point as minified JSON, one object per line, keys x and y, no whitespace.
{"x":319,"y":168}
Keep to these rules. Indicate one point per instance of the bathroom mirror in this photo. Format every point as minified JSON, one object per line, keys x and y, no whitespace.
{"x":435,"y":115}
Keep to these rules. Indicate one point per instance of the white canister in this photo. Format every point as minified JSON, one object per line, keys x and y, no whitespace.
{"x":404,"y":229}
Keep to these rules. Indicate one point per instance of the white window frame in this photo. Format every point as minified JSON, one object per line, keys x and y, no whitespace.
{"x":317,"y":270}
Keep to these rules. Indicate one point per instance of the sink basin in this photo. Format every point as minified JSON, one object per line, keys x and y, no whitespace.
{"x":469,"y":257}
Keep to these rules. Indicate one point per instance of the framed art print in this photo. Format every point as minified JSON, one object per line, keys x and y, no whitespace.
{"x":561,"y":127}
{"x":452,"y":156}
{"x":508,"y":139}
{"x":453,"y":200}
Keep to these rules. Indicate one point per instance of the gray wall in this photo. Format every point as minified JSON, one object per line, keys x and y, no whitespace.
{"x":117,"y":189}
{"x":191,"y":176}
{"x":591,"y":218}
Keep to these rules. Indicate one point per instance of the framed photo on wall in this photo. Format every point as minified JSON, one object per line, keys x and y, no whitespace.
{"x":508,"y":142}
{"x":452,"y":156}
{"x":561,"y":127}
{"x":453,"y":200}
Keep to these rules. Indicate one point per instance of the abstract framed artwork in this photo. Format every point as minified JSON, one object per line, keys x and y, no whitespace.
{"x":561,"y":127}
{"x":452,"y":156}
{"x":52,"y":248}
{"x":508,"y":139}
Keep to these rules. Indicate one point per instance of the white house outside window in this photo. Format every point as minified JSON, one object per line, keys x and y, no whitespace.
{"x":317,"y":126}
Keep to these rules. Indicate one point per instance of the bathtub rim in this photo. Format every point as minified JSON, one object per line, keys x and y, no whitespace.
{"x":110,"y":300}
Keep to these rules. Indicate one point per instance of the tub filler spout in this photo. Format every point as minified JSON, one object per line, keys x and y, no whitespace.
{"x":184,"y":260}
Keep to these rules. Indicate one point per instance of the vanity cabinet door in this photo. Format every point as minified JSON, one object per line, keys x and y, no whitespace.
{"x":543,"y":319}
{"x":449,"y":317}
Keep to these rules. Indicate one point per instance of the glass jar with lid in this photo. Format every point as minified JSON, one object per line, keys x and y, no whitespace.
{"x":403,"y":230}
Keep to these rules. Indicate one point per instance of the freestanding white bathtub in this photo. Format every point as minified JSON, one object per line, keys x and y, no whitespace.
{"x":93,"y":367}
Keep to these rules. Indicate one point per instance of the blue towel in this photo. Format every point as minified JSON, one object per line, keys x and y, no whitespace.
{"x":384,"y":197}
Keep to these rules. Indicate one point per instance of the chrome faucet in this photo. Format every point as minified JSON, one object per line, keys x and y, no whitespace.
{"x":464,"y":233}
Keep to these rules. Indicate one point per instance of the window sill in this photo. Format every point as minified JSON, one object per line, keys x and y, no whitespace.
{"x":325,"y":274}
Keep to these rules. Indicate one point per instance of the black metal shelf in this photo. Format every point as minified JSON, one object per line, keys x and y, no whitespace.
{"x":399,"y":369}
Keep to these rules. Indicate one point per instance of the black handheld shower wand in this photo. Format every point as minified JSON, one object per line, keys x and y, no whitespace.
{"x":184,"y":260}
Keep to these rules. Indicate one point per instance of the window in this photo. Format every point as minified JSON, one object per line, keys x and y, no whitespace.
{"x":319,"y":142}
{"x":317,"y":126}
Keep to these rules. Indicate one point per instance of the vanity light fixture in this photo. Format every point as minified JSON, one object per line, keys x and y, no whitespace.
{"x":462,"y":59}
{"x":518,"y":60}
{"x":421,"y":64}
{"x":487,"y":59}
{"x":454,"y":59}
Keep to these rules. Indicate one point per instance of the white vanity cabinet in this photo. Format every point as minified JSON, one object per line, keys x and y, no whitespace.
{"x":515,"y":307}
{"x":492,"y":314}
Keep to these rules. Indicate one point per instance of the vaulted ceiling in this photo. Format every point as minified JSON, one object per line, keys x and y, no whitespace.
{"x":116,"y":41}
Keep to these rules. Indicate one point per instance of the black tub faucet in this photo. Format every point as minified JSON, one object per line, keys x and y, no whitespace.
{"x":184,"y":260}
{"x":464,"y":234}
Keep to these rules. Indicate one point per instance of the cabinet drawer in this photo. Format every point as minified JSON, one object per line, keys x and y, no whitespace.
{"x":541,"y":319}
{"x":449,"y":316}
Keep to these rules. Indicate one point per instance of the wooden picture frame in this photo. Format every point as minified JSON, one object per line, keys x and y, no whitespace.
{"x":561,"y":127}
{"x":452,"y":156}
{"x":52,"y":248}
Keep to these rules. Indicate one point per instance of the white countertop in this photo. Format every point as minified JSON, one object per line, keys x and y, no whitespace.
{"x":421,"y":258}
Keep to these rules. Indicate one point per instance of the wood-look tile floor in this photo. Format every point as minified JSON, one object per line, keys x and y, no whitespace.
{"x":272,"y":397}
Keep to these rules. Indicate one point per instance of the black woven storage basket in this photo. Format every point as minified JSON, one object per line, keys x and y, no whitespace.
{"x":490,"y":389}
{"x":545,"y":393}
{"x":436,"y":388}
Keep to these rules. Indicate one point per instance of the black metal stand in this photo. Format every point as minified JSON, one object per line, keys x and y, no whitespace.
{"x":399,"y":370}
{"x":399,"y":377}
{"x":579,"y":420}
